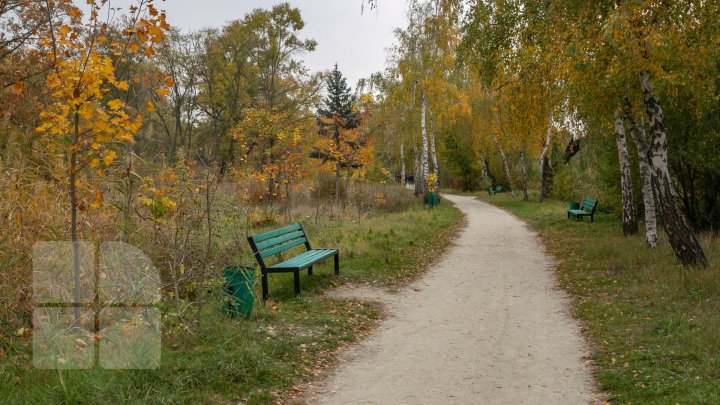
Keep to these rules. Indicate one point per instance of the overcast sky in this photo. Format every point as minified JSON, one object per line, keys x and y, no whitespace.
{"x":355,"y":41}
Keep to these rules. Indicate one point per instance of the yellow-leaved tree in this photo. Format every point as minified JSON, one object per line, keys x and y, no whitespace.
{"x":81,"y":122}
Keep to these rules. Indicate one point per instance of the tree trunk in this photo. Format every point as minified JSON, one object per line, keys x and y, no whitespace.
{"x":129,"y":188}
{"x":402,"y":165}
{"x":73,"y":219}
{"x":506,"y":165}
{"x":177,"y":134}
{"x":418,"y":180}
{"x":424,"y":157}
{"x":681,"y":235}
{"x":433,"y":153}
{"x":485,"y":171}
{"x":544,"y":164}
{"x":630,"y":226}
{"x":338,"y":168}
{"x":523,"y":170}
{"x":637,"y":131}
{"x":338,"y":182}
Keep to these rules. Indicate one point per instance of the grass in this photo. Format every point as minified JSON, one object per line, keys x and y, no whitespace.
{"x":282,"y":345}
{"x":653,"y":326}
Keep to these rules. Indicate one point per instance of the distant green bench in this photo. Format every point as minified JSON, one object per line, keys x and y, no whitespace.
{"x":280,"y":240}
{"x":495,"y":190}
{"x":587,"y":209}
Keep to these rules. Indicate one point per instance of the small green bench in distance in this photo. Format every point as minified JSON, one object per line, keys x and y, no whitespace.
{"x":275,"y":242}
{"x":587,"y":209}
{"x":495,"y":190}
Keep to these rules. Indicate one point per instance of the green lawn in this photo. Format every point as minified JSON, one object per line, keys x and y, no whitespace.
{"x":279,"y":347}
{"x":654,"y":326}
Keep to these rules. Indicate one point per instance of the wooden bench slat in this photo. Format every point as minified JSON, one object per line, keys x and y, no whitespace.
{"x":298,"y":261}
{"x":306,"y":259}
{"x":274,"y":234}
{"x":282,"y":248}
{"x":280,"y":240}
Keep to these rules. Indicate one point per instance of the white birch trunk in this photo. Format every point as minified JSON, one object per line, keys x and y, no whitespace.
{"x":637,"y":131}
{"x":523,"y":170}
{"x":433,"y":153}
{"x":424,"y":157}
{"x":630,"y":226}
{"x":418,"y":179}
{"x":506,"y":165}
{"x":485,"y":171}
{"x":682,"y":238}
{"x":545,"y":162}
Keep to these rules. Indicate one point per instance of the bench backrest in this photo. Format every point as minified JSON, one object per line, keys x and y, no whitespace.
{"x":498,"y":189}
{"x":277,"y":241}
{"x":589,"y":205}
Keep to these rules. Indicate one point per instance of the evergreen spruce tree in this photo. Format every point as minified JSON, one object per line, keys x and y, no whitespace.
{"x":338,"y":102}
{"x":336,"y":114}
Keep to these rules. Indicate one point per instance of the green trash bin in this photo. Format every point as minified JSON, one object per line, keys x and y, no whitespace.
{"x":238,"y":291}
{"x":432,"y":200}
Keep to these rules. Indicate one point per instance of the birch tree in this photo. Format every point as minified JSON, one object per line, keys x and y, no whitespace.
{"x":637,"y":131}
{"x":629,"y":220}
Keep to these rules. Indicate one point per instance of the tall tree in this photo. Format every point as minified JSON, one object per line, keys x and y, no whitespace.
{"x":630,"y":226}
{"x":336,"y":116}
{"x":80,"y":118}
{"x":283,"y":84}
{"x":637,"y":131}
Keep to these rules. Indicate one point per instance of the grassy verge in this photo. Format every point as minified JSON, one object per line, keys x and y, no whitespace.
{"x":654,"y":326}
{"x":260,"y":359}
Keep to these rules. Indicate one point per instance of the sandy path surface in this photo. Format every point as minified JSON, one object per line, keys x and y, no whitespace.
{"x":486,"y":326}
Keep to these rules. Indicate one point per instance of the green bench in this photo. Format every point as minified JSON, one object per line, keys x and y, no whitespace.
{"x":495,"y":190}
{"x":278,"y":241}
{"x":587,"y":209}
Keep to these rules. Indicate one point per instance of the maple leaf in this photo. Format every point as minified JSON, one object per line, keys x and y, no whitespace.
{"x":115,"y":104}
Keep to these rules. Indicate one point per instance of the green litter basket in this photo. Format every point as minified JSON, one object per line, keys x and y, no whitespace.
{"x":432,"y":199}
{"x":238,"y":291}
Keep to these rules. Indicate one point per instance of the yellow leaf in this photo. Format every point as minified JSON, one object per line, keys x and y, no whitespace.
{"x":75,"y":12}
{"x":94,"y":163}
{"x":109,"y":158}
{"x":162,"y":92}
{"x":115,"y":104}
{"x":64,"y":30}
{"x":123,"y":85}
{"x":149,"y":52}
{"x":150,"y":107}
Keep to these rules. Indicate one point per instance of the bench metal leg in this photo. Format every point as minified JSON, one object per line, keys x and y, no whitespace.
{"x":264,"y":279}
{"x":310,"y":271}
{"x":337,"y":264}
{"x":296,"y":274}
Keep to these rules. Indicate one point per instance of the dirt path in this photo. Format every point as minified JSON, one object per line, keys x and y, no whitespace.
{"x":486,"y":325}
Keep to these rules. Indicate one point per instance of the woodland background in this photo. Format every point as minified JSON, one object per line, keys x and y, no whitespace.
{"x":117,"y":126}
